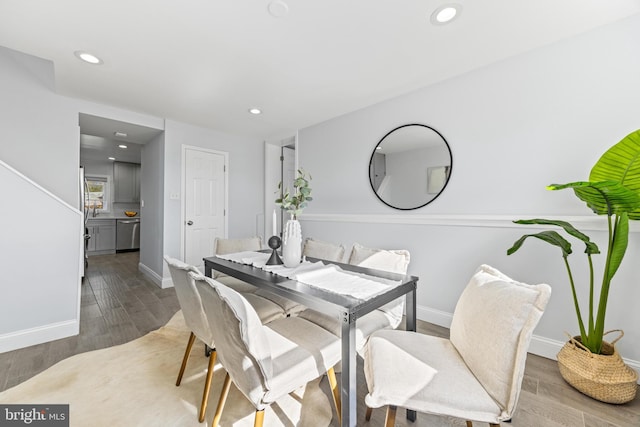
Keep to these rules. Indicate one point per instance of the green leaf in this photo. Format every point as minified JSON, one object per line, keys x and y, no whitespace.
{"x":620,"y":242}
{"x":621,"y":163}
{"x":295,"y":202}
{"x":603,"y":197}
{"x":549,"y":236}
{"x":591,"y":247}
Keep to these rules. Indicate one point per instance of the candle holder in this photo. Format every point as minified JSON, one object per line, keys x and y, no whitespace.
{"x":274,"y":243}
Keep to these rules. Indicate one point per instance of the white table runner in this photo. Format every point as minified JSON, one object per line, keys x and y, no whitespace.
{"x":317,"y":274}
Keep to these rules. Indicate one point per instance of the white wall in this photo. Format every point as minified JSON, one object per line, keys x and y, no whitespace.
{"x":246,"y":172}
{"x":513,"y":127}
{"x":40,"y":270}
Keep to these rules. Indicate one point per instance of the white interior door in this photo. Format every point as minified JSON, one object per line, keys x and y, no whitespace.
{"x":205,"y":203}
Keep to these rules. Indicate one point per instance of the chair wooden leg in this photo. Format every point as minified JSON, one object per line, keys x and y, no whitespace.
{"x":207,"y":385}
{"x":259,"y":419}
{"x":223,"y":399}
{"x":391,"y":416}
{"x":367,"y":416}
{"x":187,"y":352}
{"x":494,"y":425}
{"x":331,"y":375}
{"x":469,"y":423}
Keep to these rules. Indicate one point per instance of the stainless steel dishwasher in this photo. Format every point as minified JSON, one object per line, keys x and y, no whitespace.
{"x":127,"y":235}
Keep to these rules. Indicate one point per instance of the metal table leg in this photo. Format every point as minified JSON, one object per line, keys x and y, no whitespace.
{"x":348,"y":384}
{"x":411,"y":326}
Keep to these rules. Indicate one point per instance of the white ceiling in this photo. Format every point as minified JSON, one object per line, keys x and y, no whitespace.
{"x":207,"y":62}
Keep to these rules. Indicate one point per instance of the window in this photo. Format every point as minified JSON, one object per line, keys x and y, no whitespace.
{"x":97,"y":194}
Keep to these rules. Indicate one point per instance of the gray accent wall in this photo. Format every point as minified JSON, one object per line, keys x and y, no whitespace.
{"x":152,"y":214}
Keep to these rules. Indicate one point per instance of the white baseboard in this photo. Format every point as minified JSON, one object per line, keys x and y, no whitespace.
{"x":431,"y":315}
{"x":540,"y":346}
{"x":38,"y":335}
{"x":161,"y":282}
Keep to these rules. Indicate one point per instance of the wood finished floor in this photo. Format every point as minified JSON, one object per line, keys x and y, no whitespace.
{"x":119,"y":304}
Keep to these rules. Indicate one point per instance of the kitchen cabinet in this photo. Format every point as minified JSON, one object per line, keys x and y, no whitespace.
{"x":103,"y":236}
{"x":126,"y":182}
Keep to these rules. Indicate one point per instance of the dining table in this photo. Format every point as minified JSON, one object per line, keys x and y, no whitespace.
{"x":345,"y":307}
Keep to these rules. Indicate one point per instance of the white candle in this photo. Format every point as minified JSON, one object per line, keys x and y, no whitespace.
{"x":275,"y":224}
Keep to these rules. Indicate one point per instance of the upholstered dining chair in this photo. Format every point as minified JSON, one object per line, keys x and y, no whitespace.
{"x":265,"y":362}
{"x":323,"y":250}
{"x":388,"y":316}
{"x":227,"y":246}
{"x":196,"y":320}
{"x":477,"y":373}
{"x":312,"y":248}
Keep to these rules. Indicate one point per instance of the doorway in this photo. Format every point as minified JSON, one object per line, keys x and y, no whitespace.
{"x":205,"y":188}
{"x":280,"y":166}
{"x":112,"y":151}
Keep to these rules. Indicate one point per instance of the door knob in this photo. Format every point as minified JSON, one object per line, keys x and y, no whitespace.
{"x":189,"y":222}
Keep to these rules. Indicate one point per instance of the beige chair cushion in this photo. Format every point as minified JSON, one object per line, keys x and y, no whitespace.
{"x":388,"y":316}
{"x":265,"y":361}
{"x":323,"y":250}
{"x":477,"y":374}
{"x":290,"y":307}
{"x":492,"y":326}
{"x":365,"y":326}
{"x":267,"y":310}
{"x":395,"y":261}
{"x":426,"y":374}
{"x":229,"y":246}
{"x":242,"y":344}
{"x":236,"y":284}
{"x":300,"y":352}
{"x":189,"y":299}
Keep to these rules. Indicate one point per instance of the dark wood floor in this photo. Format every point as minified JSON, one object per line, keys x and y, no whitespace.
{"x":119,"y":304}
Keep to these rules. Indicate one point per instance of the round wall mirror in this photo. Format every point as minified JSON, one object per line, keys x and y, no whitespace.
{"x":410,"y":166}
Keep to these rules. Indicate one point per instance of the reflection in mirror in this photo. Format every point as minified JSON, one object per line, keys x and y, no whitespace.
{"x":410,"y":166}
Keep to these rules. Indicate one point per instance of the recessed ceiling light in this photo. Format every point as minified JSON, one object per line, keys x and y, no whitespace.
{"x":255,"y":111}
{"x":122,"y":146}
{"x":87,"y":57}
{"x":112,"y":158}
{"x":445,"y":14}
{"x":120,"y":134}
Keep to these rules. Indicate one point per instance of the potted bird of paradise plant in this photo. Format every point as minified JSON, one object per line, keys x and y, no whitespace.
{"x":613,"y":190}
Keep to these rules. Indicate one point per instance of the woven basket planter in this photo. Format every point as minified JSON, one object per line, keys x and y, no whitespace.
{"x":604,"y":377}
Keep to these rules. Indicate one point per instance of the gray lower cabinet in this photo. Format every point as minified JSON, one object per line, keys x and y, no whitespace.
{"x":103,"y":236}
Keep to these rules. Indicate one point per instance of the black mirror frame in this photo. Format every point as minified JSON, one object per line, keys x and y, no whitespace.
{"x":445,"y":183}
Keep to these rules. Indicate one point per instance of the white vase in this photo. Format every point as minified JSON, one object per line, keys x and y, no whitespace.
{"x":292,"y":243}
